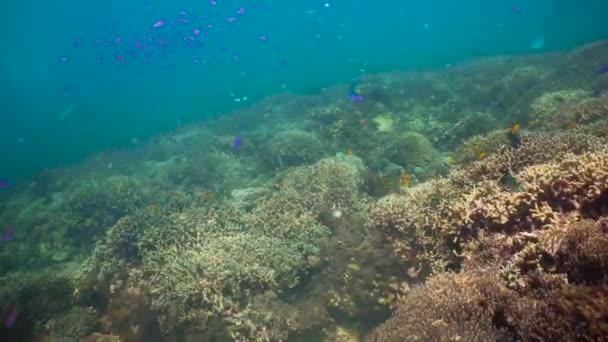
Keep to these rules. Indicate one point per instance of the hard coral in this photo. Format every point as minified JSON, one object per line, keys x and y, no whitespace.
{"x":435,"y":218}
{"x":544,"y":108}
{"x":452,"y":307}
{"x":293,"y":148}
{"x":202,"y":267}
{"x":411,"y":150}
{"x":537,"y":247}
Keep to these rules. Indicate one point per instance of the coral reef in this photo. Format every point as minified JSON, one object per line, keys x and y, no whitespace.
{"x":432,"y":211}
{"x":77,"y":323}
{"x":531,"y":251}
{"x":204,"y":266}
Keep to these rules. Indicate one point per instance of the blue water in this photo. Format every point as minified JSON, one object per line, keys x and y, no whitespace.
{"x":309,"y":45}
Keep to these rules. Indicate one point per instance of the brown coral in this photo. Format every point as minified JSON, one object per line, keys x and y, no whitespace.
{"x":451,"y":307}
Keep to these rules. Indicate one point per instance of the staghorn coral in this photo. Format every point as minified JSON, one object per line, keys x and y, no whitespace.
{"x":97,"y":205}
{"x":433,"y":219}
{"x":202,"y":267}
{"x":540,"y":245}
{"x":544,"y":108}
{"x":578,"y":249}
{"x":451,"y":307}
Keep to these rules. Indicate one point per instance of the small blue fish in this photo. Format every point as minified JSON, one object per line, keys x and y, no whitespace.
{"x":602,"y":69}
{"x":238,"y":141}
{"x":355,"y":97}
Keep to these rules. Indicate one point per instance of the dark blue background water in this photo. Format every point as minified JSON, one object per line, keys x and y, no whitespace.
{"x":308,"y":46}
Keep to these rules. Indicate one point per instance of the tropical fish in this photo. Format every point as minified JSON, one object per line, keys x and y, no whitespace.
{"x":355,"y":97}
{"x":510,"y":182}
{"x":4,"y":184}
{"x":11,"y":317}
{"x":572,"y":125}
{"x":354,"y":267}
{"x":349,"y":152}
{"x":120,"y":58}
{"x":404,"y":181}
{"x":602,"y":69}
{"x":515,"y":128}
{"x":238,"y":141}
{"x":481,"y":155}
{"x":8,"y":234}
{"x":514,"y":136}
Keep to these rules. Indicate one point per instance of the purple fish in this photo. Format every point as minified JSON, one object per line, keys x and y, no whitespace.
{"x":4,"y":184}
{"x":8,"y":234}
{"x":120,"y":58}
{"x":11,"y":318}
{"x":355,"y":97}
{"x":158,"y":24}
{"x":238,"y":141}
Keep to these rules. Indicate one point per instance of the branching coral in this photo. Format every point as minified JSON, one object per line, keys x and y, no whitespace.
{"x":435,"y":218}
{"x":205,"y":265}
{"x":448,"y":308}
{"x":539,"y":245}
{"x":545,"y":107}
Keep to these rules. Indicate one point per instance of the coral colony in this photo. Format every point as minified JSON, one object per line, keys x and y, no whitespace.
{"x":436,"y":205}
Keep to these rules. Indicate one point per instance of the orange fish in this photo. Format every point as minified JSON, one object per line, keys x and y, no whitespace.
{"x":481,"y":155}
{"x":405,"y":180}
{"x":572,"y":125}
{"x":515,"y":129}
{"x":349,"y":152}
